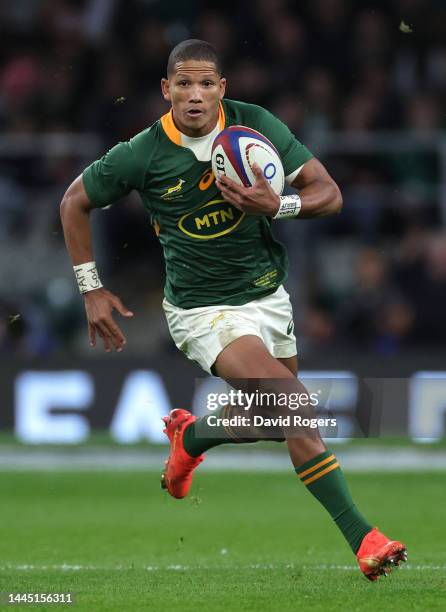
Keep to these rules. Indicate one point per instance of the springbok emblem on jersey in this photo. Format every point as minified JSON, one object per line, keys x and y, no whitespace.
{"x":171,"y":191}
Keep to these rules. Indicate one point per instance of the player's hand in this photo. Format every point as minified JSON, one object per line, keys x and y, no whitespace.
{"x":99,"y":305}
{"x":260,"y":199}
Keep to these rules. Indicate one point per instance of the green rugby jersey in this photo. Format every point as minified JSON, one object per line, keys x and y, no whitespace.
{"x":214,"y":253}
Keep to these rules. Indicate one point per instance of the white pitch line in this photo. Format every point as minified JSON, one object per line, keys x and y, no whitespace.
{"x":352,"y":460}
{"x":179,"y":567}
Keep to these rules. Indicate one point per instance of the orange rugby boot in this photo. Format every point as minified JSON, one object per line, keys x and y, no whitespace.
{"x":378,"y":555}
{"x":177,"y":475}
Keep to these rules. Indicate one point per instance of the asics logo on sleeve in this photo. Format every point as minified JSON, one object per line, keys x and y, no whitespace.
{"x":206,"y":180}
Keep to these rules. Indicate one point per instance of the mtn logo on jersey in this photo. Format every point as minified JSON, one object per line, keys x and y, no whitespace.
{"x":172,"y":191}
{"x":213,"y":219}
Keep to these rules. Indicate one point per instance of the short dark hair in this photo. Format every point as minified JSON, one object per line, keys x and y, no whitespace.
{"x":193,"y":49}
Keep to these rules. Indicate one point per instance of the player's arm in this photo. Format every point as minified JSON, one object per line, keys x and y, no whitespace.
{"x":75,"y":211}
{"x":319,"y":194}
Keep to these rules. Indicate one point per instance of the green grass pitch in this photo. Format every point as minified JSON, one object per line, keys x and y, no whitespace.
{"x":242,"y":541}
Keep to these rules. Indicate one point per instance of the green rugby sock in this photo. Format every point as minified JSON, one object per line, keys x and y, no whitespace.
{"x":199,"y":437}
{"x":324,"y":479}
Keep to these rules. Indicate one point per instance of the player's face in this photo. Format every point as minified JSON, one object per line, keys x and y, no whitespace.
{"x":194,"y":90}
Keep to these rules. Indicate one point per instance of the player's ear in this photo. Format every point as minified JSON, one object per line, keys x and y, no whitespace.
{"x":222,"y":88}
{"x":165,"y":89}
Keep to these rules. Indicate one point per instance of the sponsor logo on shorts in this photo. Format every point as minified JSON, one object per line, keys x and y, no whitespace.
{"x":211,"y":220}
{"x":290,"y":327}
{"x":217,"y":318}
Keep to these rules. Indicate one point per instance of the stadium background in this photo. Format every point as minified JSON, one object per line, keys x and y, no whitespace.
{"x":357,"y":82}
{"x":362,"y":84}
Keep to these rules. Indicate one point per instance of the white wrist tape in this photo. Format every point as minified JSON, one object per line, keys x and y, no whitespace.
{"x":290,"y":206}
{"x":87,"y":276}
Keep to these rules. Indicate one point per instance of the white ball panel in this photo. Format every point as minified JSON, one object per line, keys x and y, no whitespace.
{"x":270,"y":163}
{"x":222,"y":165}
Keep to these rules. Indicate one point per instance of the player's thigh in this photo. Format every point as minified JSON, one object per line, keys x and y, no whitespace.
{"x":290,"y":363}
{"x":248,"y":357}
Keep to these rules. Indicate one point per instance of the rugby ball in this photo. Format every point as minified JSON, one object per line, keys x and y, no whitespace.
{"x":237,"y":148}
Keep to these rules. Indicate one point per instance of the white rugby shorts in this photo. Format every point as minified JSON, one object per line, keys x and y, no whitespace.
{"x":202,"y":333}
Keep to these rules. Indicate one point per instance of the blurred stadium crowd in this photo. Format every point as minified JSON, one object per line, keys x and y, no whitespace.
{"x":363,"y":84}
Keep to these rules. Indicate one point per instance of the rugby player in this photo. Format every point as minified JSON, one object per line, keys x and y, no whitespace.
{"x":225,"y":303}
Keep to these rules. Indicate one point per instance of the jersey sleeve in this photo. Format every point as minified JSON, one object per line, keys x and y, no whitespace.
{"x":113,"y":176}
{"x":292,"y":152}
